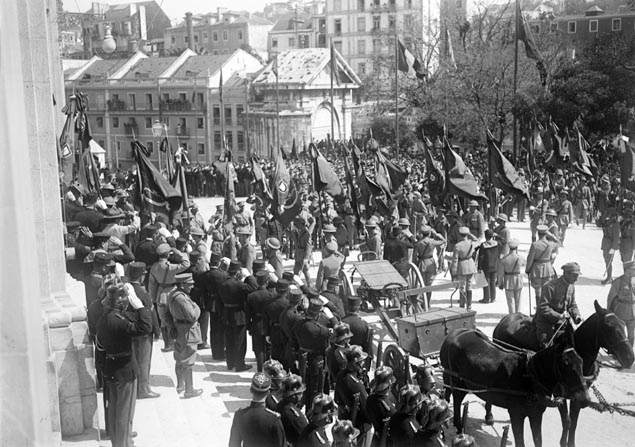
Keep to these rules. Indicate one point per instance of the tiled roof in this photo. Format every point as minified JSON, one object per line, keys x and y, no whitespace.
{"x":285,"y":23}
{"x":103,"y":68}
{"x":150,"y":67}
{"x":199,"y":65}
{"x":295,"y":66}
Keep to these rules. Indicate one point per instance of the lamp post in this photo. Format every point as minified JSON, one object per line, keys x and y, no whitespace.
{"x":157,"y":132}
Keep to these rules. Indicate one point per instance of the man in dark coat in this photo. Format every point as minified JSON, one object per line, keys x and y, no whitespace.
{"x":257,"y":301}
{"x":290,"y":407}
{"x":211,"y":282}
{"x":362,"y":333}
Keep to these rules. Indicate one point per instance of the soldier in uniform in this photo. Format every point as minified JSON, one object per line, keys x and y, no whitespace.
{"x":303,"y":249}
{"x":290,"y":408}
{"x":502,"y":233}
{"x":272,"y":312}
{"x":336,"y":352}
{"x":381,"y":404}
{"x":273,"y":256}
{"x":509,"y":278}
{"x":198,"y":244}
{"x":247,"y":252}
{"x":276,"y":373}
{"x":114,"y":333}
{"x":423,"y":255}
{"x":540,"y":207}
{"x":211,"y":282}
{"x":621,"y":299}
{"x":403,"y":427}
{"x":344,"y":434}
{"x":475,"y":221}
{"x":488,"y":264}
{"x":257,"y":301}
{"x":290,"y":317}
{"x":373,"y":240}
{"x":330,"y":265}
{"x":362,"y":333}
{"x":233,"y":293}
{"x":627,"y":235}
{"x":320,"y":414}
{"x":396,"y":251}
{"x":183,"y":322}
{"x":463,"y":266}
{"x":557,"y":299}
{"x":256,"y":425}
{"x":350,"y":389}
{"x":552,"y":224}
{"x":313,"y":335}
{"x":332,"y":295}
{"x":610,"y":241}
{"x":539,"y":261}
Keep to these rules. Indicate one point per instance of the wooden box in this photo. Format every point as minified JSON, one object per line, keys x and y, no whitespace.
{"x":423,"y":334}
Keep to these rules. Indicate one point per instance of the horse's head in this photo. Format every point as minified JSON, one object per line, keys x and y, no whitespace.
{"x":612,"y":336}
{"x":568,"y":365}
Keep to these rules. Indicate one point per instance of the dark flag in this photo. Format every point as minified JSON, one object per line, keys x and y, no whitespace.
{"x":294,"y":150}
{"x":524,"y":34}
{"x":458,"y":178}
{"x":230,"y":187}
{"x":408,"y":62}
{"x":292,"y":207}
{"x":356,"y":155}
{"x":177,"y":180}
{"x":435,"y":174}
{"x":388,"y":175}
{"x":324,"y":176}
{"x":165,"y":147}
{"x":156,"y":193}
{"x":579,"y":156}
{"x":559,"y":145}
{"x":367,"y":189}
{"x":261,"y":184}
{"x":351,"y":190}
{"x":281,"y":182}
{"x":88,"y":175}
{"x":504,"y":175}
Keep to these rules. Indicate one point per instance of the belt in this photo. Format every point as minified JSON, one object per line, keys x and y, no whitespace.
{"x":512,"y":273}
{"x":542,"y":262}
{"x":118,"y":355}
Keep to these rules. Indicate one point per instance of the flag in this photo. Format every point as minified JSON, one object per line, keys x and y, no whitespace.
{"x":291,"y":207}
{"x":88,"y":175}
{"x":155,"y":192}
{"x":281,"y":181}
{"x":220,"y":89}
{"x":388,"y":175}
{"x":524,"y":34}
{"x":579,"y":156}
{"x":67,"y":140}
{"x":408,"y":62}
{"x":368,"y":189}
{"x":351,"y":190}
{"x":504,"y":175}
{"x":559,"y":142}
{"x":458,"y":178}
{"x":435,"y":173}
{"x":627,"y":166}
{"x":177,"y":179}
{"x":449,"y":50}
{"x":356,"y":155}
{"x":230,"y":187}
{"x":294,"y":150}
{"x":164,"y":147}
{"x":324,"y":176}
{"x":260,"y":181}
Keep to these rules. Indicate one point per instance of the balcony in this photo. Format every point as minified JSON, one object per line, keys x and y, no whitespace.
{"x":176,"y":105}
{"x":183,"y":132}
{"x":116,"y":105}
{"x":131,"y":128}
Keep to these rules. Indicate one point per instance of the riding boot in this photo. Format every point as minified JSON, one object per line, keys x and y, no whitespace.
{"x":168,"y":343}
{"x":190,"y":391}
{"x":428,"y":298}
{"x":468,"y":299}
{"x":180,"y":382}
{"x":461,"y":298}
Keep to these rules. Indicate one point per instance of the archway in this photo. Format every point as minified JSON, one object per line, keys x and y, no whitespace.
{"x":321,"y":122}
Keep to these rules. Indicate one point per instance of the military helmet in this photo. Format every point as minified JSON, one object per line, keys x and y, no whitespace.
{"x":384,"y":378}
{"x":322,"y":407}
{"x":274,"y":369}
{"x":355,"y":354}
{"x":292,"y":384}
{"x":341,"y":332}
{"x":410,"y":396}
{"x":344,"y":431}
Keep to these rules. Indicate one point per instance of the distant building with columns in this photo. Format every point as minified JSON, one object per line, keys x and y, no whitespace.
{"x":304,"y":98}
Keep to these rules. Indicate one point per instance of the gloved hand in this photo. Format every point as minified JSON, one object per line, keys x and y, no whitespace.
{"x":133,"y":299}
{"x":115,"y":241}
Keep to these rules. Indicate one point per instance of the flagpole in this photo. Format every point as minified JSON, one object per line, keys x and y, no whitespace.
{"x":514,"y":134}
{"x":222,"y":113}
{"x":396,"y":90}
{"x":277,"y":106}
{"x":332,"y":63}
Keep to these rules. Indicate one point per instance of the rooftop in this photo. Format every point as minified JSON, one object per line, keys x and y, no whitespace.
{"x":286,"y":22}
{"x":103,"y":68}
{"x":197,"y":66}
{"x":150,"y":67}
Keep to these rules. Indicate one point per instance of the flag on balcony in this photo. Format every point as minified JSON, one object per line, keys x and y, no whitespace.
{"x":408,"y":63}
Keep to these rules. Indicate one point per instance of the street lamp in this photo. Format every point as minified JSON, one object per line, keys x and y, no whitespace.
{"x":157,"y":132}
{"x":108,"y":45}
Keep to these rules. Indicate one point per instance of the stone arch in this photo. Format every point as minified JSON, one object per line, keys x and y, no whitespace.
{"x":321,"y":122}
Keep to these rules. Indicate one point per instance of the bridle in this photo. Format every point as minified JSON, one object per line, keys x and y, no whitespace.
{"x":610,"y":348}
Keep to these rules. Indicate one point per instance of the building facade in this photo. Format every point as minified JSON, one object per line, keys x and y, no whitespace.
{"x":304,"y":100}
{"x":293,"y":31}
{"x":126,"y":98}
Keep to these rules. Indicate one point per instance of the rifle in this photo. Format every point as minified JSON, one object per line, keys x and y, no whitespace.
{"x":302,"y":360}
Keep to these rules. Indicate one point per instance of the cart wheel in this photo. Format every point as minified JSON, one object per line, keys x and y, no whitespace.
{"x":415,"y":281}
{"x":367,"y":256}
{"x":387,"y":293}
{"x":395,"y":357}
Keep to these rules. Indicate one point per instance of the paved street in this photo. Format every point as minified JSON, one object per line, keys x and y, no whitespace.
{"x":170,"y":420}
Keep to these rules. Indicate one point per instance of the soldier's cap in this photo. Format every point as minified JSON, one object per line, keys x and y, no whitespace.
{"x":416,"y":194}
{"x":136,"y":269}
{"x":163,"y":249}
{"x":370,"y":224}
{"x":503,"y":217}
{"x":542,"y":228}
{"x":342,"y":331}
{"x":571,"y":267}
{"x":214,"y":258}
{"x":258,"y":264}
{"x":337,"y":220}
{"x":331,"y":246}
{"x":354,"y":301}
{"x":294,"y":293}
{"x":292,"y":384}
{"x":322,"y":406}
{"x":311,"y":292}
{"x":403,"y":221}
{"x":384,"y":378}
{"x":288,"y":276}
{"x":451,"y":213}
{"x":329,"y":228}
{"x":372,"y":220}
{"x":426,"y":229}
{"x":559,"y":172}
{"x":464,"y":231}
{"x":315,"y":305}
{"x":628,"y":265}
{"x":220,"y":207}
{"x":513,"y":243}
{"x":332,"y":280}
{"x":73,"y":225}
{"x":273,"y":243}
{"x":282,"y":285}
{"x":243,"y":232}
{"x":109,"y":201}
{"x":261,"y":274}
{"x":355,"y":354}
{"x":184,"y":278}
{"x":274,"y":369}
{"x":234,"y":267}
{"x":196,"y":232}
{"x":551,"y":212}
{"x":344,"y":430}
{"x":472,"y":203}
{"x":410,"y":395}
{"x":260,"y":383}
{"x":103,"y":258}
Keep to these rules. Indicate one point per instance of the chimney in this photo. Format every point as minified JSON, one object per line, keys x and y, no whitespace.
{"x":190,"y":30}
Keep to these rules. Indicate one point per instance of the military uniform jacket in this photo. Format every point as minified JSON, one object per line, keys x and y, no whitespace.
{"x":462,"y":260}
{"x":539,"y":213}
{"x":610,"y":235}
{"x":423,"y":254}
{"x":276,"y":262}
{"x":347,"y":386}
{"x":509,"y":269}
{"x":272,"y":311}
{"x":503,"y":236}
{"x":557,"y":296}
{"x":184,"y":313}
{"x":255,"y":306}
{"x":488,"y":257}
{"x":360,"y":330}
{"x":539,"y":259}
{"x":246,"y":255}
{"x":303,"y":246}
{"x":233,"y":293}
{"x":380,"y":408}
{"x":312,"y":336}
{"x":211,"y":282}
{"x":161,"y":280}
{"x":293,"y":420}
{"x":257,"y":426}
{"x":335,"y":359}
{"x":565,"y":213}
{"x":329,"y":266}
{"x":476,"y":223}
{"x":402,"y":430}
{"x":396,"y":250}
{"x":313,"y":436}
{"x":627,"y":233}
{"x":374,"y":244}
{"x":335,"y":304}
{"x":621,"y":298}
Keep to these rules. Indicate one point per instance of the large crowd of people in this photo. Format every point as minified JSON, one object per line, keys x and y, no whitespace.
{"x":207,"y":282}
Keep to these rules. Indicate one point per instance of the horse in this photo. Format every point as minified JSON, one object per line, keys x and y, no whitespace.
{"x":603,"y":329}
{"x":521,"y":382}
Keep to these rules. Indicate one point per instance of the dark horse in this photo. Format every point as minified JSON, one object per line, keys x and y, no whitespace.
{"x":522,"y":382}
{"x":600,"y":330}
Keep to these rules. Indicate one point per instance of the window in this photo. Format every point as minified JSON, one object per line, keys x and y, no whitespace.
{"x":229,"y":139}
{"x":115,"y":121}
{"x":408,"y":21}
{"x":182,"y":123}
{"x":338,"y":46}
{"x":360,"y":4}
{"x":118,"y":146}
{"x":205,"y":37}
{"x":217,"y":141}
{"x":337,"y":5}
{"x":361,"y":46}
{"x":200,"y":123}
{"x":166,"y":97}
{"x":337,"y":26}
{"x":225,"y":35}
{"x":361,"y":24}
{"x":291,"y":42}
{"x":200,"y":98}
{"x":216,"y":115}
{"x":303,"y":41}
{"x":148,"y":122}
{"x":376,"y":23}
{"x":200,"y":149}
{"x":376,"y":2}
{"x":196,"y":38}
{"x":391,"y":22}
{"x":553,"y":27}
{"x":215,"y":36}
{"x":187,"y":39}
{"x":100,"y":121}
{"x":240,"y":140}
{"x":182,"y":97}
{"x":115,"y":97}
{"x":361,"y":68}
{"x":593,"y":26}
{"x":240,"y":35}
{"x":149,"y":101}
{"x":173,"y":40}
{"x":274,"y":43}
{"x":571,"y":27}
{"x":240,"y":114}
{"x":376,"y":45}
{"x":149,"y":146}
{"x":228,"y":116}
{"x":616,"y":24}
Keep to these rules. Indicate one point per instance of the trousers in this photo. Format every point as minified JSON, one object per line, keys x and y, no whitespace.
{"x":121,"y":406}
{"x":203,"y":321}
{"x":513,"y":300}
{"x":235,"y":345}
{"x":142,"y":350}
{"x":217,"y":335}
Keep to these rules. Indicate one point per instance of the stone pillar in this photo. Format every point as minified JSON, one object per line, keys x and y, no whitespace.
{"x":33,"y":83}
